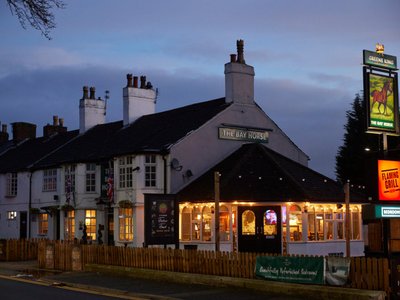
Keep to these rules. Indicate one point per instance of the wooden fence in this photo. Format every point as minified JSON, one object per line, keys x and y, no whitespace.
{"x":365,"y":273}
{"x":18,"y":250}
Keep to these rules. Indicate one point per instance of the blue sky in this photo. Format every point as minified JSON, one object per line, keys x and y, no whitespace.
{"x":307,"y":57}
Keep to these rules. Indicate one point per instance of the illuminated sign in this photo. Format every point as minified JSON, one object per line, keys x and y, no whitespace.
{"x":388,"y":180}
{"x":380,"y":60}
{"x":381,"y":95}
{"x":387,"y":212}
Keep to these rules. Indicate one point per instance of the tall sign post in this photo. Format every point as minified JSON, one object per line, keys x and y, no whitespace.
{"x":382,"y":104}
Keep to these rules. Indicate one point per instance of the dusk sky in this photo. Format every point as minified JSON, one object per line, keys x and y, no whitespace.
{"x":307,"y":57}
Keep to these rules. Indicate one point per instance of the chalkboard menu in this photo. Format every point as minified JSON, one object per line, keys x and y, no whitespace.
{"x":161,"y":219}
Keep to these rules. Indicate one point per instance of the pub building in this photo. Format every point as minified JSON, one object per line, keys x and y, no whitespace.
{"x":269,"y":203}
{"x":100,"y":177}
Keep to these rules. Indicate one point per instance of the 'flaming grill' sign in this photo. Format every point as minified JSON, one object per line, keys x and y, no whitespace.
{"x":388,"y":180}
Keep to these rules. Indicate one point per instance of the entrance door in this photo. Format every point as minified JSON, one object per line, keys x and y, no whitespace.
{"x":23,"y":224}
{"x":259,"y":229}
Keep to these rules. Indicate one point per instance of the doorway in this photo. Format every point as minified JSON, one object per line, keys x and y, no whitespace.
{"x":23,"y":224}
{"x":259,"y":229}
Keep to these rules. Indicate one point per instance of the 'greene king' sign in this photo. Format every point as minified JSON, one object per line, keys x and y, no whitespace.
{"x":243,"y":134}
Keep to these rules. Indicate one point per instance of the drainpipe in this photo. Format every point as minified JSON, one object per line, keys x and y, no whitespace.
{"x":164,"y":157}
{"x":30,"y":205}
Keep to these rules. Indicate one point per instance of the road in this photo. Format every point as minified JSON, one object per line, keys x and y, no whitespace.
{"x":12,"y":288}
{"x":90,"y":286}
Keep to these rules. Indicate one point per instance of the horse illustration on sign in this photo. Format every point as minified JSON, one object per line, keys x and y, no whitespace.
{"x":381,"y":96}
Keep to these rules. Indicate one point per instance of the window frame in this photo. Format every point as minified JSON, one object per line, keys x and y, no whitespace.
{"x":150,"y":167}
{"x":43,"y":224}
{"x":12,"y":185}
{"x":90,"y":178}
{"x":125,"y":172}
{"x":125,"y":231}
{"x":91,"y":224}
{"x":49,"y":180}
{"x":69,"y":225}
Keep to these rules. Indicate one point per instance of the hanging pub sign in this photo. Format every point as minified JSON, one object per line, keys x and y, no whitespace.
{"x":161,"y":219}
{"x":381,"y":95}
{"x":388,"y":180}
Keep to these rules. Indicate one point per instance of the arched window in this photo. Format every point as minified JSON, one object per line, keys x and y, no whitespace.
{"x":295,"y":223}
{"x":248,"y":223}
{"x":270,"y":221}
{"x":206,"y":225}
{"x":185,"y":224}
{"x":224,"y":223}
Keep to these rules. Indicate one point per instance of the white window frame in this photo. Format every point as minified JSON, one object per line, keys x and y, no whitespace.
{"x":49,"y":180}
{"x":125,"y":172}
{"x":150,"y":167}
{"x":90,"y":178}
{"x":12,"y":185}
{"x":125,"y":224}
{"x":43,"y":224}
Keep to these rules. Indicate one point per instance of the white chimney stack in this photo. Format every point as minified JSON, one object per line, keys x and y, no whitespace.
{"x":92,"y":111}
{"x":239,"y":78}
{"x":138,"y":101}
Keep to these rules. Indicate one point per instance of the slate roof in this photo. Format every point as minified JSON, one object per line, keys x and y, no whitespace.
{"x":29,"y":152}
{"x":256,"y":173}
{"x":150,"y":133}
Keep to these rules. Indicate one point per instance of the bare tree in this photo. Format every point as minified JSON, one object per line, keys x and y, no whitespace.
{"x":36,"y":13}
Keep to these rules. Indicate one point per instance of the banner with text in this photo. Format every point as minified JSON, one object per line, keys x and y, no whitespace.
{"x":291,"y":269}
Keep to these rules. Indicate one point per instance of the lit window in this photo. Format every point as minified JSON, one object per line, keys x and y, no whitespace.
{"x":43,"y":222}
{"x":355,"y":224}
{"x":295,"y":223}
{"x":11,"y":215}
{"x":316,"y":223}
{"x":196,"y":223}
{"x":206,"y":224}
{"x":69,"y":225}
{"x":49,"y":180}
{"x":248,"y":223}
{"x":126,"y":224}
{"x":90,"y":222}
{"x":125,"y":172}
{"x":185,"y":221}
{"x":90,"y":178}
{"x":150,"y":171}
{"x":224,"y":223}
{"x":12,"y":184}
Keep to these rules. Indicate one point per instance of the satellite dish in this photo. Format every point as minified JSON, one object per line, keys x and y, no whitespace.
{"x":175,"y":164}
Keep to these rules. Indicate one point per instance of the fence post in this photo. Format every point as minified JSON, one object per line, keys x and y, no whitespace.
{"x":50,"y":256}
{"x":76,"y":258}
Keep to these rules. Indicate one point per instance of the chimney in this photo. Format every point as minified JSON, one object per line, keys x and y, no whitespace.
{"x":23,"y":130}
{"x":92,"y":111}
{"x":3,"y":134}
{"x":138,"y":102}
{"x":239,"y":78}
{"x":57,"y":127}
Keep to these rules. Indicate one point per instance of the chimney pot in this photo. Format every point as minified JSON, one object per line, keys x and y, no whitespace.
{"x":92,"y":92}
{"x":85,"y":92}
{"x":233,"y":58}
{"x":129,"y":79}
{"x":4,"y":128}
{"x":55,"y":120}
{"x":142,"y":82}
{"x":61,"y":122}
{"x":135,"y":81}
{"x":240,"y":55}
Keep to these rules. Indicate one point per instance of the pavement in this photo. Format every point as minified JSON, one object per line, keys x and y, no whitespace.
{"x":134,"y":283}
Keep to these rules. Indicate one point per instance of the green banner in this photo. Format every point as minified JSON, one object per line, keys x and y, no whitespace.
{"x":291,"y":269}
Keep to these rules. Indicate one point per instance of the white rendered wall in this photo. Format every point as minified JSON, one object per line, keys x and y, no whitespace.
{"x":202,"y":149}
